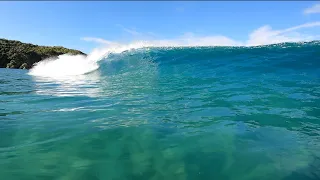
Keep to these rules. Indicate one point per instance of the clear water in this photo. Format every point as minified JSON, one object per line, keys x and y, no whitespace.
{"x":168,"y":113}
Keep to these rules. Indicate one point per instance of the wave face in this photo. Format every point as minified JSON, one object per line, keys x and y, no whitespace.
{"x":139,"y":112}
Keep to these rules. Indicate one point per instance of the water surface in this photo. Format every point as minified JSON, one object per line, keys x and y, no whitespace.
{"x":168,"y":113}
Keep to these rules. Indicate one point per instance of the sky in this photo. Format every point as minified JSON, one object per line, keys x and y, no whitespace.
{"x":85,"y":25}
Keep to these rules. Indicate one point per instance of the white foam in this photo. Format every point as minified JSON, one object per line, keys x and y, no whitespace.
{"x":64,"y":65}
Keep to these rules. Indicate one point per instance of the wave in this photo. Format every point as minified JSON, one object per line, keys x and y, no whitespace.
{"x":73,"y":65}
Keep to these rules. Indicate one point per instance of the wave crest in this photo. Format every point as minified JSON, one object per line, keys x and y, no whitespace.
{"x":72,"y":65}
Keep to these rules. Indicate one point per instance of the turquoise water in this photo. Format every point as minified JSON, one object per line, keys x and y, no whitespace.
{"x":230,"y":113}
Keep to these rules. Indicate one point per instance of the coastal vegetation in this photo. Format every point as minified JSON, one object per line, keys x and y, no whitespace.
{"x":18,"y":55}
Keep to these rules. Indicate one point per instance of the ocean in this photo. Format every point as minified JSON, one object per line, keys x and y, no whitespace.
{"x":162,"y":113}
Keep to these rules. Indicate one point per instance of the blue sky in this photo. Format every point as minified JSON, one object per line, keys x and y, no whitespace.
{"x":86,"y":25}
